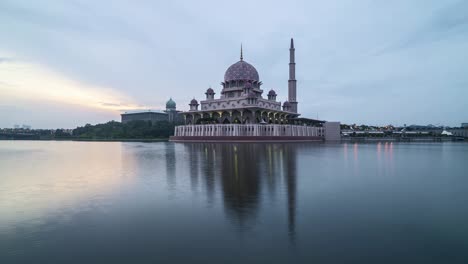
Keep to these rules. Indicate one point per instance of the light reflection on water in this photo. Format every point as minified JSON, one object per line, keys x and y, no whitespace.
{"x":146,"y":202}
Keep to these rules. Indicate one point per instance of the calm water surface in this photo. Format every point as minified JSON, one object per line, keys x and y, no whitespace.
{"x":111,"y":202}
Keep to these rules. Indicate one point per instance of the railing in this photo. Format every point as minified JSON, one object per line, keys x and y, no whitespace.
{"x":248,"y":130}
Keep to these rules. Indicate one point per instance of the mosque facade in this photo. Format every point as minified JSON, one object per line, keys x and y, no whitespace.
{"x":242,"y":99}
{"x":243,"y":113}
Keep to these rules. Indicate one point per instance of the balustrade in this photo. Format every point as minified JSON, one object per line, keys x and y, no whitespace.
{"x":248,"y":130}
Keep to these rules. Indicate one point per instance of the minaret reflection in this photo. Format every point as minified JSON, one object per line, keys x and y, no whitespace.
{"x":290,"y":177}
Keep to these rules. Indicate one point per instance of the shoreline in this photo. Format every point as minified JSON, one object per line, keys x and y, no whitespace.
{"x":347,"y":140}
{"x":93,"y":139}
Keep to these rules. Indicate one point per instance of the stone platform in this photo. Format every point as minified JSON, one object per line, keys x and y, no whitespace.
{"x":246,"y":139}
{"x":255,"y":133}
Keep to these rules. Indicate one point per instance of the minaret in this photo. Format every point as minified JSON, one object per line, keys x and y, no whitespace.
{"x":292,"y":79}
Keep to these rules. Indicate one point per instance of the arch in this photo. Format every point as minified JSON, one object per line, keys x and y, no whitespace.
{"x":215,"y":115}
{"x":270,"y":117}
{"x":236,"y":114}
{"x":264,"y":116}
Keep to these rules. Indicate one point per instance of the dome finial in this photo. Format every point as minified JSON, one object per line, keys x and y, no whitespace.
{"x":241,"y":57}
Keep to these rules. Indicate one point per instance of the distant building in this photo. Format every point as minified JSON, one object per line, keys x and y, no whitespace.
{"x":26,"y":127}
{"x":464,"y":125}
{"x":170,"y":114}
{"x":460,"y":132}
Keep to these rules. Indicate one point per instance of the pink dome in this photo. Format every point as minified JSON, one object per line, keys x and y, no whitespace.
{"x":241,"y":70}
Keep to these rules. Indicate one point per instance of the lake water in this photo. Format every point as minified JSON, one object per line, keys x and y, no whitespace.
{"x":112,"y":202}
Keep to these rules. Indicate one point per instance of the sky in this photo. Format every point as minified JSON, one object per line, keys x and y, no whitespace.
{"x":67,"y":63}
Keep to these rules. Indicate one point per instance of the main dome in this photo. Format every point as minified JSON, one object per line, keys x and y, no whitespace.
{"x":241,"y":70}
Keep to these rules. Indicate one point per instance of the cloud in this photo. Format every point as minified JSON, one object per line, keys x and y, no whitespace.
{"x":444,"y":23}
{"x":349,"y":53}
{"x":5,"y":60}
{"x":38,"y":83}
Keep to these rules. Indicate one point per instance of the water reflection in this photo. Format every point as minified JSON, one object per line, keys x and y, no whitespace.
{"x":170,"y":165}
{"x":290,"y":177}
{"x":245,"y":174}
{"x":85,"y":202}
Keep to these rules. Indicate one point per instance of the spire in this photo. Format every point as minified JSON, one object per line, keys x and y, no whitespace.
{"x":292,"y":43}
{"x":241,"y":57}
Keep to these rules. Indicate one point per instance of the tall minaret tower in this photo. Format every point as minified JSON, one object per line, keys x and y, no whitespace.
{"x":292,"y":79}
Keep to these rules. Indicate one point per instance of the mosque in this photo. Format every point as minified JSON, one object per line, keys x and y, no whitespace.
{"x":242,"y":112}
{"x":241,"y":99}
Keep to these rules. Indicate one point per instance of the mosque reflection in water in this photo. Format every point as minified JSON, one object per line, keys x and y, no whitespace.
{"x":244,"y":174}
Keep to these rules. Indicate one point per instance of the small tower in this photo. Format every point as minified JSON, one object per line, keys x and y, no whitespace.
{"x":292,"y":78}
{"x":210,"y":94}
{"x":287,"y":106}
{"x":272,"y":95}
{"x":193,"y":105}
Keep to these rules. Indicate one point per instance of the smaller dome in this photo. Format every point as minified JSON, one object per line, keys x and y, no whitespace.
{"x":170,"y":103}
{"x":194,"y":101}
{"x":286,"y":104}
{"x":272,"y":92}
{"x":210,"y":91}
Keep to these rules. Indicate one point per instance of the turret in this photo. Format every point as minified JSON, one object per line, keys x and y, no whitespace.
{"x":272,"y":95}
{"x":210,"y":94}
{"x":193,"y":105}
{"x":287,"y":106}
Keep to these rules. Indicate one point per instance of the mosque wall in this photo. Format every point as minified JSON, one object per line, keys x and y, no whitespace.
{"x":255,"y":130}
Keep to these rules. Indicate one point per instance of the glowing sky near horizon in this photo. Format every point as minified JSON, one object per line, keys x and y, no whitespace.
{"x":65,"y":64}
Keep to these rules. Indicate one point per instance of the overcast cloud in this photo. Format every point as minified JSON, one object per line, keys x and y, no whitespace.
{"x":373,"y":62}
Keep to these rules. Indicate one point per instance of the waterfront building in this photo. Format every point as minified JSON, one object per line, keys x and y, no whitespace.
{"x":243,"y":112}
{"x":460,"y":132}
{"x":170,"y":114}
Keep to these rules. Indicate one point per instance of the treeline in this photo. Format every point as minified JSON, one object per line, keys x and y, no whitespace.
{"x":131,"y":130}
